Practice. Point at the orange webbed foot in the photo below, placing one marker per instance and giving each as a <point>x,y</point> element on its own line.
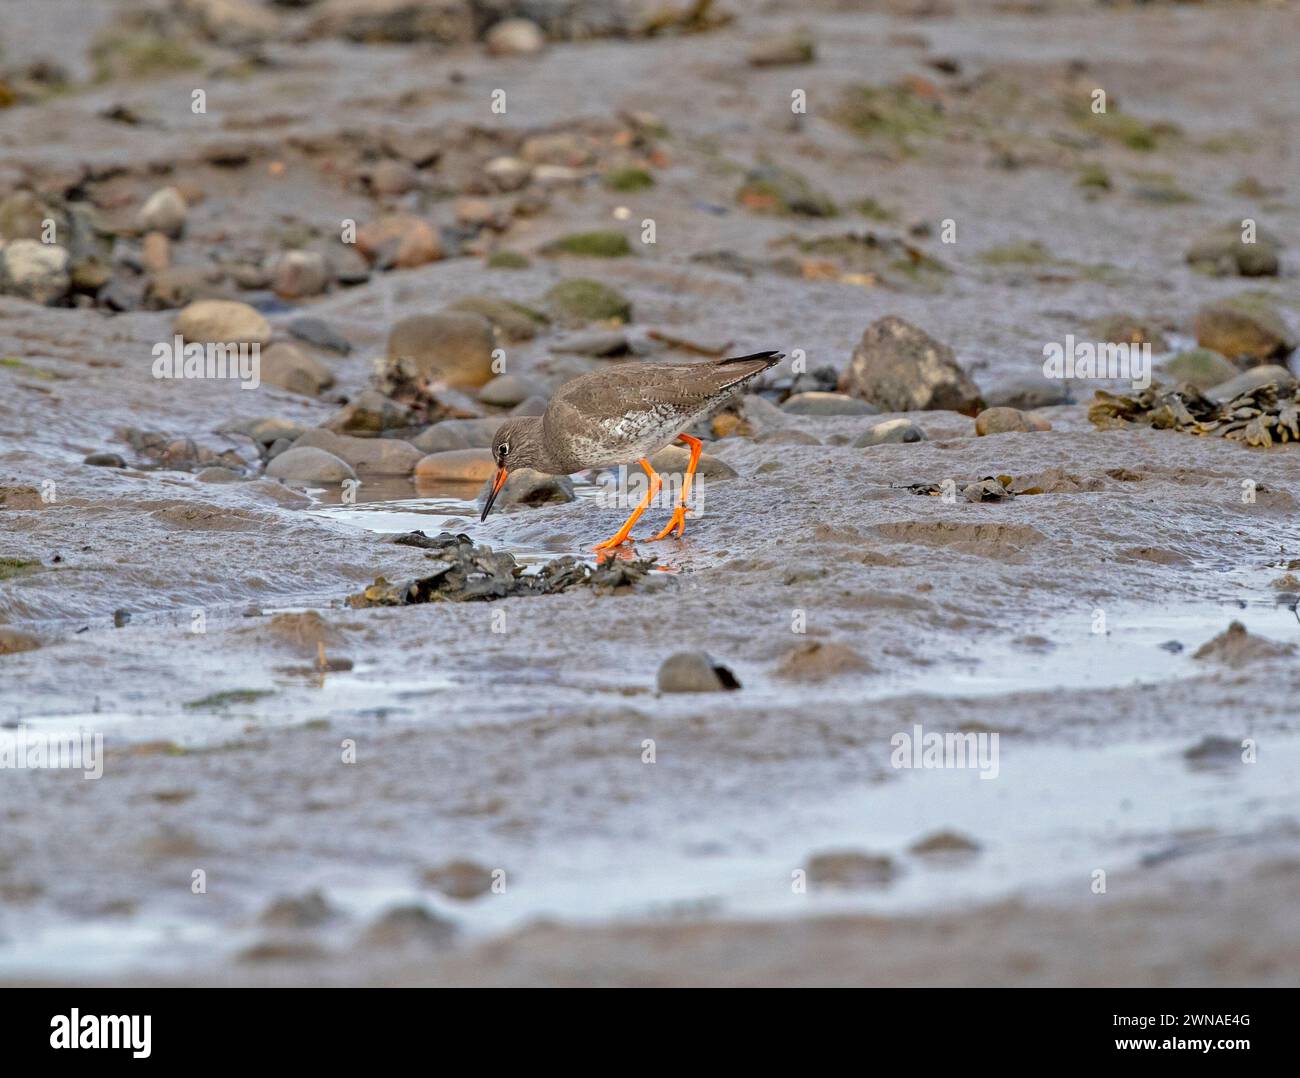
<point>677,521</point>
<point>613,542</point>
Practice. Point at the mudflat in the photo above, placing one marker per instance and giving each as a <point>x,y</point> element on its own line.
<point>296,790</point>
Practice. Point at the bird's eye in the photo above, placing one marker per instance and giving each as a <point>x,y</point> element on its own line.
<point>505,448</point>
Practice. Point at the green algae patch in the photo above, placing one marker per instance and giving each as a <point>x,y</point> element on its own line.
<point>602,243</point>
<point>581,299</point>
<point>892,114</point>
<point>218,701</point>
<point>628,179</point>
<point>511,260</point>
<point>14,567</point>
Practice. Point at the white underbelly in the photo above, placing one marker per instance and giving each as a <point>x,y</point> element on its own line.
<point>632,436</point>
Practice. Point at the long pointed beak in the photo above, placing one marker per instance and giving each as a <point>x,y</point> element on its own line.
<point>497,484</point>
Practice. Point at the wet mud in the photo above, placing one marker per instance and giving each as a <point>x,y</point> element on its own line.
<point>402,790</point>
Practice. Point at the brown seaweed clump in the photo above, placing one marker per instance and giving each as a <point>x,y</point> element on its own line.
<point>1259,417</point>
<point>464,571</point>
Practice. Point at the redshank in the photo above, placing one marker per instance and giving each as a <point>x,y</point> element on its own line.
<point>624,413</point>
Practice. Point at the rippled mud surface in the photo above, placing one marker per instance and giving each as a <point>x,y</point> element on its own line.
<point>506,776</point>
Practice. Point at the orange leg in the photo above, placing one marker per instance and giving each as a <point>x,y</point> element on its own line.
<point>625,532</point>
<point>678,519</point>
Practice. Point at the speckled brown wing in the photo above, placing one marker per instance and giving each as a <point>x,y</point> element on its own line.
<point>616,415</point>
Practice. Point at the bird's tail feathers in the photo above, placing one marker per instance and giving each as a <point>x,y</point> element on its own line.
<point>772,357</point>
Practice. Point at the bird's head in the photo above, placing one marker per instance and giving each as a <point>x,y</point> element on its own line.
<point>518,444</point>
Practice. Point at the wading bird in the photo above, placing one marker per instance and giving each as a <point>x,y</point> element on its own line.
<point>620,414</point>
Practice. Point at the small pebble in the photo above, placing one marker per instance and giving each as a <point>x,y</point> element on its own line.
<point>694,671</point>
<point>890,432</point>
<point>317,332</point>
<point>816,403</point>
<point>105,460</point>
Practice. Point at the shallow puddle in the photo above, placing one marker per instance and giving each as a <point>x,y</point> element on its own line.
<point>1135,645</point>
<point>451,507</point>
<point>1053,817</point>
<point>295,695</point>
<point>99,947</point>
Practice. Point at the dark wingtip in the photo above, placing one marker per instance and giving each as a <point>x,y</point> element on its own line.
<point>772,357</point>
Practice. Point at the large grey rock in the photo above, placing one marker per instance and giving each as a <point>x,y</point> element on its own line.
<point>308,464</point>
<point>289,367</point>
<point>456,466</point>
<point>815,403</point>
<point>508,390</point>
<point>1202,367</point>
<point>221,321</point>
<point>440,438</point>
<point>265,430</point>
<point>513,321</point>
<point>1028,393</point>
<point>321,334</point>
<point>594,343</point>
<point>900,368</point>
<point>348,264</point>
<point>1244,327</point>
<point>478,434</point>
<point>527,487</point>
<point>35,271</point>
<point>368,456</point>
<point>694,671</point>
<point>1252,379</point>
<point>1223,252</point>
<point>1003,421</point>
<point>295,274</point>
<point>454,347</point>
<point>164,211</point>
<point>789,436</point>
<point>535,406</point>
<point>761,412</point>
